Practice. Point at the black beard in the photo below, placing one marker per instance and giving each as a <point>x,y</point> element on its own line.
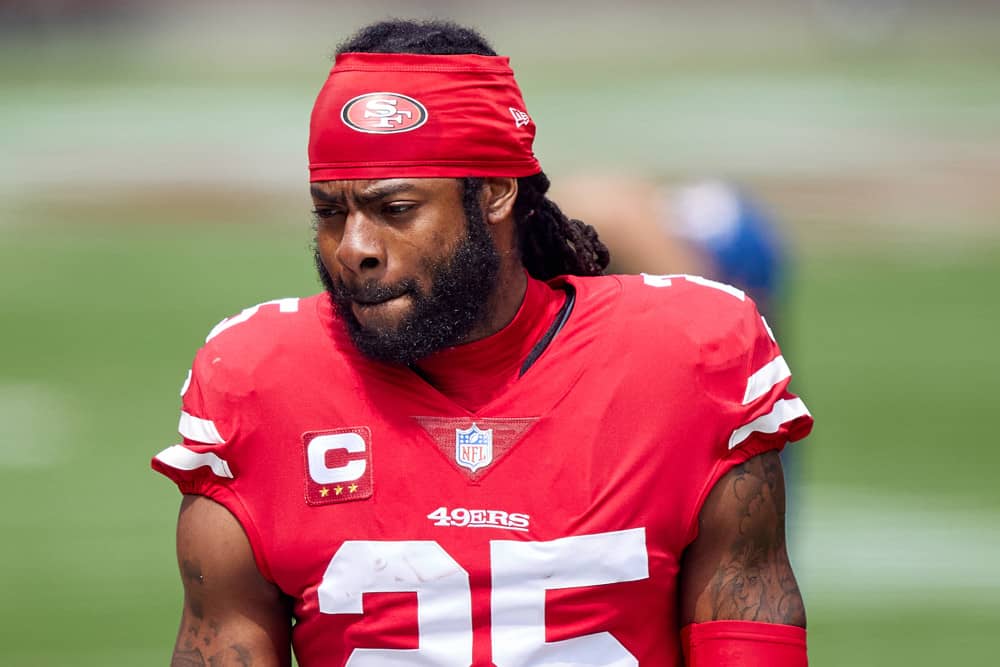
<point>456,302</point>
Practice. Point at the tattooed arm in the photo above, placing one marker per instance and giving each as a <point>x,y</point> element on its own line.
<point>737,568</point>
<point>232,616</point>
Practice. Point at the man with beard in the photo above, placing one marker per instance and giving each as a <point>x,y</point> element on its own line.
<point>472,448</point>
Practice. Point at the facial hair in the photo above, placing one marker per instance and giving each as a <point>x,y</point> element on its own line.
<point>443,312</point>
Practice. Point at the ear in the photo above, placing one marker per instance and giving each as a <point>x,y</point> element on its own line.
<point>498,198</point>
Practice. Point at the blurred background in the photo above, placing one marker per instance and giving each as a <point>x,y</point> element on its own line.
<point>153,181</point>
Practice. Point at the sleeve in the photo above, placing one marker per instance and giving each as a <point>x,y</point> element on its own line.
<point>759,409</point>
<point>746,379</point>
<point>212,425</point>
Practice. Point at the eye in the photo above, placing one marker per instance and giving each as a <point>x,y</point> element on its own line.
<point>398,208</point>
<point>325,213</point>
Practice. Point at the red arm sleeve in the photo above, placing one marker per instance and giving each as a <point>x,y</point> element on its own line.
<point>743,644</point>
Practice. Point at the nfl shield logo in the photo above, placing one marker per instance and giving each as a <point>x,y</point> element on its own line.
<point>473,447</point>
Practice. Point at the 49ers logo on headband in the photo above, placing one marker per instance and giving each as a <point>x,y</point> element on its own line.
<point>383,113</point>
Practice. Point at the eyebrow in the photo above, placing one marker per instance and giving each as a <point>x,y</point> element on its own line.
<point>365,197</point>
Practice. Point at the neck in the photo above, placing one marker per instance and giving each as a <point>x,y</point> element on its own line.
<point>504,302</point>
<point>474,373</point>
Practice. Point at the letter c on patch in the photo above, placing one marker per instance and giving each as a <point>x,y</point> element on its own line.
<point>319,446</point>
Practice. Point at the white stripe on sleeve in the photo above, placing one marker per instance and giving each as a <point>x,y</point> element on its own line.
<point>187,383</point>
<point>765,379</point>
<point>182,458</point>
<point>199,430</point>
<point>783,412</point>
<point>768,328</point>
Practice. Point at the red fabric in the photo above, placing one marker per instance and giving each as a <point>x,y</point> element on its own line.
<point>744,644</point>
<point>396,115</point>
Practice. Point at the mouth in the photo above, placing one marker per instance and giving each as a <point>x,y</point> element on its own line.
<point>372,303</point>
<point>377,297</point>
<point>380,307</point>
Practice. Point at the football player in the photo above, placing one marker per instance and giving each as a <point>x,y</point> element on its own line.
<point>472,448</point>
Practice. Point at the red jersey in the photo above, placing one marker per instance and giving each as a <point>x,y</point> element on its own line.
<point>545,528</point>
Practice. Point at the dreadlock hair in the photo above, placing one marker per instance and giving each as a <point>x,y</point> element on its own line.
<point>549,242</point>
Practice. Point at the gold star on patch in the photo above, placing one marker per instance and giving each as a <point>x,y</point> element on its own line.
<point>338,490</point>
<point>352,488</point>
<point>324,492</point>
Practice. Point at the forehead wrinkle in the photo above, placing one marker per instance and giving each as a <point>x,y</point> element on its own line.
<point>319,193</point>
<point>376,191</point>
<point>367,194</point>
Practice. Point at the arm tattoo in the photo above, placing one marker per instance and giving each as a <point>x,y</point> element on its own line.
<point>236,655</point>
<point>199,634</point>
<point>755,582</point>
<point>184,658</point>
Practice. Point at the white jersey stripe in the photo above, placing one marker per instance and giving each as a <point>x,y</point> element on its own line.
<point>765,379</point>
<point>768,328</point>
<point>199,430</point>
<point>783,412</point>
<point>182,458</point>
<point>186,385</point>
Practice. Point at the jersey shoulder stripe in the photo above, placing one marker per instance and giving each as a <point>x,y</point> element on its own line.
<point>180,457</point>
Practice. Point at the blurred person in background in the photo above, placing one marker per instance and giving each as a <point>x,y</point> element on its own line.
<point>473,447</point>
<point>710,228</point>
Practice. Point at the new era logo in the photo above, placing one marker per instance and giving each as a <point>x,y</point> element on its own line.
<point>520,118</point>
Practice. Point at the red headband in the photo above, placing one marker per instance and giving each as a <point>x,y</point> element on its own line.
<point>395,115</point>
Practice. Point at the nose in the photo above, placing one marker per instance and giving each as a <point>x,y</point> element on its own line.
<point>361,250</point>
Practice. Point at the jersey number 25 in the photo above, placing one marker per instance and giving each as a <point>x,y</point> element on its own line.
<point>521,572</point>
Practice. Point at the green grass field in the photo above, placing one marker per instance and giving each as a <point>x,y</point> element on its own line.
<point>147,193</point>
